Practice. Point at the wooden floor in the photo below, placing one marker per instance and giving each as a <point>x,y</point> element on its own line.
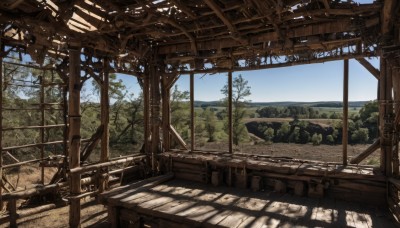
<point>195,204</point>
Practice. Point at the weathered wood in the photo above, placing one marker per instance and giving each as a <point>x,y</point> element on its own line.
<point>192,114</point>
<point>166,112</point>
<point>1,121</point>
<point>146,113</point>
<point>375,72</point>
<point>230,125</point>
<point>154,76</point>
<point>42,120</point>
<point>82,169</point>
<point>177,137</point>
<point>372,148</point>
<point>74,116</point>
<point>12,207</point>
<point>345,110</point>
<point>396,98</point>
<point>105,119</point>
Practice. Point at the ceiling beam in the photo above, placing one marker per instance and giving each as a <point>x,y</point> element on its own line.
<point>375,72</point>
<point>234,33</point>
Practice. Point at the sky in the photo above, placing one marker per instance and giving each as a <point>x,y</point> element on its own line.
<point>311,82</point>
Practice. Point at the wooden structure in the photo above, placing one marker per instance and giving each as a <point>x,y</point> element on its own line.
<point>159,40</point>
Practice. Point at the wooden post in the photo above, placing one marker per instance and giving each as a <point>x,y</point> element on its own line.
<point>74,134</point>
<point>42,118</point>
<point>192,114</point>
<point>155,110</point>
<point>166,113</point>
<point>1,122</point>
<point>105,119</point>
<point>230,126</point>
<point>146,112</point>
<point>385,116</point>
<point>345,110</point>
<point>396,97</point>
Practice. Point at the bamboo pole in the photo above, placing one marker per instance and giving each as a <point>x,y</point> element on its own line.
<point>105,118</point>
<point>74,134</point>
<point>192,114</point>
<point>230,126</point>
<point>345,110</point>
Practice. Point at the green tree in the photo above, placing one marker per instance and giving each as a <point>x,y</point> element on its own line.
<point>269,134</point>
<point>330,140</point>
<point>283,132</point>
<point>180,112</point>
<point>240,90</point>
<point>360,136</point>
<point>316,139</point>
<point>210,124</point>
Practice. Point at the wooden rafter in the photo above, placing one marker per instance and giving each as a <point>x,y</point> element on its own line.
<point>375,72</point>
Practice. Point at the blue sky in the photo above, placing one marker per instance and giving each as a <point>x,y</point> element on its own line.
<point>313,82</point>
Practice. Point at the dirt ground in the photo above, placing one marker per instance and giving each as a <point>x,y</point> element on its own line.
<point>325,153</point>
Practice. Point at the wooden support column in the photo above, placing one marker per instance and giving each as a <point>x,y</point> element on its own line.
<point>146,113</point>
<point>192,114</point>
<point>74,117</point>
<point>345,109</point>
<point>42,120</point>
<point>396,97</point>
<point>166,112</point>
<point>386,116</point>
<point>230,125</point>
<point>105,119</point>
<point>155,110</point>
<point>1,122</point>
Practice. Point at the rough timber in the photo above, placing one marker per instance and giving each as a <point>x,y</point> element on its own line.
<point>159,40</point>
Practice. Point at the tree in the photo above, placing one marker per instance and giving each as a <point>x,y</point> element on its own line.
<point>180,112</point>
<point>240,90</point>
<point>360,136</point>
<point>269,134</point>
<point>283,131</point>
<point>210,124</point>
<point>316,139</point>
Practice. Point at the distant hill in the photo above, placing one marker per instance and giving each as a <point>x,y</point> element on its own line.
<point>333,104</point>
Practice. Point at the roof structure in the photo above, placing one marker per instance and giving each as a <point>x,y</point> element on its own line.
<point>191,35</point>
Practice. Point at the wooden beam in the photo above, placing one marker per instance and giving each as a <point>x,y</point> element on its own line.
<point>387,15</point>
<point>375,72</point>
<point>177,137</point>
<point>396,97</point>
<point>372,148</point>
<point>74,117</point>
<point>234,33</point>
<point>146,112</point>
<point>42,120</point>
<point>230,125</point>
<point>1,120</point>
<point>345,109</point>
<point>192,114</point>
<point>166,112</point>
<point>155,109</point>
<point>105,119</point>
<point>184,8</point>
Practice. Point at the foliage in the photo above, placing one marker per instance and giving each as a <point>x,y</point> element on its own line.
<point>316,139</point>
<point>269,134</point>
<point>360,135</point>
<point>240,90</point>
<point>210,124</point>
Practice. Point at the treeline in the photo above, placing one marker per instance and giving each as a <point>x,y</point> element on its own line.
<point>301,112</point>
<point>363,128</point>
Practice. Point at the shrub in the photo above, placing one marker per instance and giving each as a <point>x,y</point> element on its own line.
<point>316,139</point>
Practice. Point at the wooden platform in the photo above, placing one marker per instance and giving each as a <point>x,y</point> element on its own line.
<point>180,203</point>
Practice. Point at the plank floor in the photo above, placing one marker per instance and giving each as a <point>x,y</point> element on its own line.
<point>199,204</point>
